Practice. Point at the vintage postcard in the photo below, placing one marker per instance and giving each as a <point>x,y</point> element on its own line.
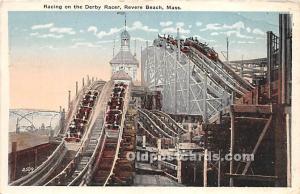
<point>130,96</point>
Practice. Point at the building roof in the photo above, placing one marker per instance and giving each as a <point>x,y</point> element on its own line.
<point>124,57</point>
<point>120,75</point>
<point>125,35</point>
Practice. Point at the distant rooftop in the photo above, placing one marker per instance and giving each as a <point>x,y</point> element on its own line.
<point>124,57</point>
<point>121,75</point>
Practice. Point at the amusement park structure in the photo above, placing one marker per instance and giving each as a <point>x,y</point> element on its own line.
<point>189,102</point>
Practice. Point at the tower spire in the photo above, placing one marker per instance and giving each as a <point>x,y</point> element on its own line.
<point>125,20</point>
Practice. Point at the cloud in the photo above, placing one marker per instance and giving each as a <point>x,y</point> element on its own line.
<point>234,29</point>
<point>62,30</point>
<point>166,23</point>
<point>112,31</point>
<point>42,26</point>
<point>214,26</point>
<point>237,34</point>
<point>50,36</point>
<point>85,44</point>
<point>258,31</point>
<point>198,23</point>
<point>204,39</point>
<point>141,39</point>
<point>54,32</point>
<point>190,26</point>
<point>34,34</point>
<point>248,29</point>
<point>173,30</point>
<point>245,42</point>
<point>77,39</point>
<point>179,24</point>
<point>106,41</point>
<point>93,29</point>
<point>238,26</point>
<point>102,34</point>
<point>216,46</point>
<point>137,25</point>
<point>214,33</point>
<point>49,47</point>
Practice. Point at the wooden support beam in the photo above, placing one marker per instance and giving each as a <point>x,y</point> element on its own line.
<point>232,140</point>
<point>252,177</point>
<point>242,108</point>
<point>247,118</point>
<point>261,136</point>
<point>205,169</point>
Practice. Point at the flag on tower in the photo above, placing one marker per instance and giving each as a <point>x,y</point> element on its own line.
<point>121,12</point>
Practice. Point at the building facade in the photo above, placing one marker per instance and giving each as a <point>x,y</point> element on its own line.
<point>125,60</point>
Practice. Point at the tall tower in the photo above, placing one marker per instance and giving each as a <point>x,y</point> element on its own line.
<point>125,40</point>
<point>124,60</point>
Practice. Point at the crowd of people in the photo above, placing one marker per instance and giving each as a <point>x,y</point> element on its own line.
<point>185,45</point>
<point>77,126</point>
<point>115,106</point>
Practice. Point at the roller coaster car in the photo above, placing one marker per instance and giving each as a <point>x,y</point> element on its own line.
<point>201,49</point>
<point>115,99</point>
<point>114,112</point>
<point>117,103</point>
<point>185,49</point>
<point>110,119</point>
<point>73,138</point>
<point>112,127</point>
<point>80,115</point>
<point>116,108</point>
<point>120,84</point>
<point>187,43</point>
<point>117,89</point>
<point>89,99</point>
<point>212,55</point>
<point>85,111</point>
<point>174,42</point>
<point>115,95</point>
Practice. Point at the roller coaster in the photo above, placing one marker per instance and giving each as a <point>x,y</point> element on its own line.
<point>103,120</point>
<point>95,123</point>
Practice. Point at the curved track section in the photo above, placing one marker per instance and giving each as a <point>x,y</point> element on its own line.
<point>147,119</point>
<point>164,126</point>
<point>171,123</point>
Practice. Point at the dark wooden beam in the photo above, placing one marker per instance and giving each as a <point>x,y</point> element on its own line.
<point>252,177</point>
<point>260,138</point>
<point>247,118</point>
<point>242,108</point>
